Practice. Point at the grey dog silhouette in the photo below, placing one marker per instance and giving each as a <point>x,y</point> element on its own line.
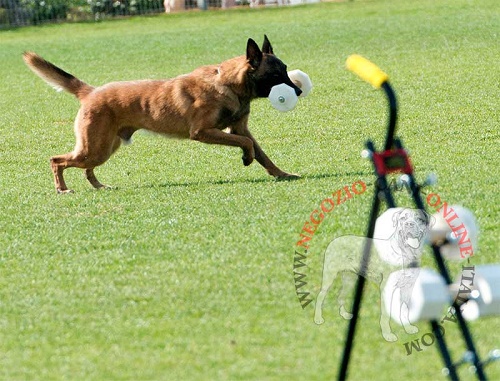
<point>402,249</point>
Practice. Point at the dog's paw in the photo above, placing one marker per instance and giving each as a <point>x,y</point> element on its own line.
<point>411,329</point>
<point>65,191</point>
<point>389,336</point>
<point>247,160</point>
<point>287,176</point>
<point>319,320</point>
<point>344,313</point>
<point>106,187</point>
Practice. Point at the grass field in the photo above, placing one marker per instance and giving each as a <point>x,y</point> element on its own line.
<point>185,270</point>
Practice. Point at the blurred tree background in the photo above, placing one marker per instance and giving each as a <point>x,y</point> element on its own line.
<point>34,12</point>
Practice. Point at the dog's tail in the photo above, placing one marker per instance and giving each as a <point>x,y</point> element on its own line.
<point>56,77</point>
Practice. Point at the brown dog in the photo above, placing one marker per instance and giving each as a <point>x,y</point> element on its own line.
<point>198,106</point>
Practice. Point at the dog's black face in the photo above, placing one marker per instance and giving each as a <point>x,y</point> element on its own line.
<point>268,70</point>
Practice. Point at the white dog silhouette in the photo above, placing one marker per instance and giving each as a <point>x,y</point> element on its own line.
<point>402,248</point>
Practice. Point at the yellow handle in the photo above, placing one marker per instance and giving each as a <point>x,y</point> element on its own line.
<point>367,70</point>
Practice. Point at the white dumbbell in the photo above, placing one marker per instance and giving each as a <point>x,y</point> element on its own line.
<point>464,237</point>
<point>302,81</point>
<point>283,97</point>
<point>482,288</point>
<point>426,292</point>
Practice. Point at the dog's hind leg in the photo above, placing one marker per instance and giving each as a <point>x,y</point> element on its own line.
<point>59,164</point>
<point>347,287</point>
<point>318,310</point>
<point>89,172</point>
<point>85,159</point>
<point>329,275</point>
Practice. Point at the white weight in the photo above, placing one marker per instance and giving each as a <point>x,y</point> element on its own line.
<point>302,81</point>
<point>429,295</point>
<point>450,242</point>
<point>283,97</point>
<point>483,282</point>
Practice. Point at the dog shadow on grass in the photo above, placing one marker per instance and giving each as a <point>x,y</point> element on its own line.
<point>315,176</point>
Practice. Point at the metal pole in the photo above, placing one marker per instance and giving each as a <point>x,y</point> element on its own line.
<point>359,289</point>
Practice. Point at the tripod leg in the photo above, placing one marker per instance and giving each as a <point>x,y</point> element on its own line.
<point>359,288</point>
<point>444,351</point>
<point>352,328</point>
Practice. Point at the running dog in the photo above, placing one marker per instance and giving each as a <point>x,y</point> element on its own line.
<point>402,249</point>
<point>198,106</point>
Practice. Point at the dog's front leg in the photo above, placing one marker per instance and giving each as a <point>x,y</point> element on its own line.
<point>215,136</point>
<point>262,158</point>
<point>385,318</point>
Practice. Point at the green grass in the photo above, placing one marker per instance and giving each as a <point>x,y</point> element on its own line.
<point>184,272</point>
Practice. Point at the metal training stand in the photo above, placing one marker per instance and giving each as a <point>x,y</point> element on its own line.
<point>392,159</point>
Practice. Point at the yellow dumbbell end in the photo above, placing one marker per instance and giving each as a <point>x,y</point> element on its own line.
<point>366,70</point>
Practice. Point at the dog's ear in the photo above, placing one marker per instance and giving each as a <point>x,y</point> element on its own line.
<point>395,217</point>
<point>431,220</point>
<point>254,55</point>
<point>266,46</point>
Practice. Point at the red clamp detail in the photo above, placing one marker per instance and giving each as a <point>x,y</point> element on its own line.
<point>395,160</point>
